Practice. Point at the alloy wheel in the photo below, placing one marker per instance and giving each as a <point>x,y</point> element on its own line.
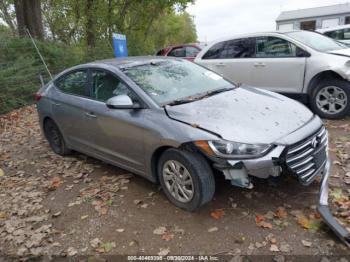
<point>178,181</point>
<point>331,99</point>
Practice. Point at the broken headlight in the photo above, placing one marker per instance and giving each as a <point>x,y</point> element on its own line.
<point>228,149</point>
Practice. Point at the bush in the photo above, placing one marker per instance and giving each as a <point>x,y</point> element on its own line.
<point>20,67</point>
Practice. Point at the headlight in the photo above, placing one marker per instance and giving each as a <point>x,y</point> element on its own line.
<point>228,149</point>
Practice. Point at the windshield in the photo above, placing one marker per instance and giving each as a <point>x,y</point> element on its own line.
<point>170,80</point>
<point>316,41</point>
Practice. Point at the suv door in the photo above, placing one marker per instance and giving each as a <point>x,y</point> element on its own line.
<point>116,134</point>
<point>68,107</point>
<point>279,65</point>
<point>232,59</point>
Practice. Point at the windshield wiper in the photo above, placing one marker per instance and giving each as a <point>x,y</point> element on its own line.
<point>181,101</point>
<point>206,94</point>
<point>217,91</point>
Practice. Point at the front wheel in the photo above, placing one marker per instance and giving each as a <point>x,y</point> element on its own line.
<point>331,99</point>
<point>186,178</point>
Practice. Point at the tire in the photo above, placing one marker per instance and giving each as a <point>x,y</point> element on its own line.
<point>201,179</point>
<point>55,138</point>
<point>331,94</point>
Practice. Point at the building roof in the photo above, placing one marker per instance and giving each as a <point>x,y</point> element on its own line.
<point>314,12</point>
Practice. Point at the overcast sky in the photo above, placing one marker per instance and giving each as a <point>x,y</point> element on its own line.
<point>220,18</point>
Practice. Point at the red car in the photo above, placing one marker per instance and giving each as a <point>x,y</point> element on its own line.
<point>186,51</point>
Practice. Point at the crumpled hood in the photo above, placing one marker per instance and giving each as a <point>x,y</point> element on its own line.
<point>343,52</point>
<point>248,115</point>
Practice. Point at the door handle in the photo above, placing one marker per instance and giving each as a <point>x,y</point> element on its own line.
<point>220,64</point>
<point>56,104</point>
<point>260,64</point>
<point>90,115</point>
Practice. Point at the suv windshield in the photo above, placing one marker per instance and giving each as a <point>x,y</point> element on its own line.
<point>316,41</point>
<point>168,81</point>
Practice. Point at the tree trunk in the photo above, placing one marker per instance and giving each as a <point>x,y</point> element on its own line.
<point>90,33</point>
<point>28,15</point>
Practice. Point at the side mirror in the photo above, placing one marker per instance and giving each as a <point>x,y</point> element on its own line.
<point>121,102</point>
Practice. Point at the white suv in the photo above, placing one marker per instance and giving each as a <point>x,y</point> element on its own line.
<point>300,64</point>
<point>340,33</point>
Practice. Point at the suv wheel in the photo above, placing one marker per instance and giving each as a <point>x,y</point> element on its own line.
<point>331,99</point>
<point>55,138</point>
<point>186,178</point>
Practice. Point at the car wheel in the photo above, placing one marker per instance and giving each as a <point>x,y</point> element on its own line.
<point>331,99</point>
<point>55,138</point>
<point>186,178</point>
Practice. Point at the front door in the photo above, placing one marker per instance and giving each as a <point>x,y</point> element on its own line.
<point>276,66</point>
<point>116,134</point>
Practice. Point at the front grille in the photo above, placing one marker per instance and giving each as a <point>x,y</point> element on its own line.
<point>305,158</point>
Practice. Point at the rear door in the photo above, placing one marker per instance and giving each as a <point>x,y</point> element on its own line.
<point>68,107</point>
<point>232,59</point>
<point>115,134</point>
<point>277,65</point>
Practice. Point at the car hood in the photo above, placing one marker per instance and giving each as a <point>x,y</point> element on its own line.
<point>247,115</point>
<point>342,52</point>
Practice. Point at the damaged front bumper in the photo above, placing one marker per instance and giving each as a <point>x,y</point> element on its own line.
<point>324,211</point>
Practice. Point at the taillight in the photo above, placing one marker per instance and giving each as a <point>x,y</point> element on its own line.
<point>37,97</point>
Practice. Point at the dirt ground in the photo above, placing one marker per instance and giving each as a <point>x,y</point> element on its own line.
<point>77,205</point>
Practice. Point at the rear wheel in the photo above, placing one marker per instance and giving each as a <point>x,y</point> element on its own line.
<point>186,178</point>
<point>331,99</point>
<point>55,138</point>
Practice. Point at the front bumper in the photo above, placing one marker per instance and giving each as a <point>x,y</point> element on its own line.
<point>324,211</point>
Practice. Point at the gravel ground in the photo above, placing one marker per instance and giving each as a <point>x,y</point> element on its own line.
<point>78,205</point>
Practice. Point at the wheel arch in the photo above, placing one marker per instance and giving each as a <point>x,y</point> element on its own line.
<point>328,74</point>
<point>154,161</point>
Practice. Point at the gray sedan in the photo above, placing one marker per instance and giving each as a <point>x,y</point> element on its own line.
<point>174,122</point>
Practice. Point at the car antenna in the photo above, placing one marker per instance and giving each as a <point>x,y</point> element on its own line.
<point>41,57</point>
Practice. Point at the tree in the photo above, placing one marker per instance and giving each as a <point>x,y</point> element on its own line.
<point>7,15</point>
<point>28,15</point>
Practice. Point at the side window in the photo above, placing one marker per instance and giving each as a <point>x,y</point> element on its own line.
<point>106,85</point>
<point>178,52</point>
<point>215,51</point>
<point>73,83</point>
<point>191,51</point>
<point>269,46</point>
<point>239,48</point>
<point>341,34</point>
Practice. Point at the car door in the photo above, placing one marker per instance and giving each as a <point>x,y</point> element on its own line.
<point>68,106</point>
<point>279,65</point>
<point>232,59</point>
<point>116,134</point>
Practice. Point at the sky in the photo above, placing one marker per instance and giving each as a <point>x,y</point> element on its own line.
<point>220,18</point>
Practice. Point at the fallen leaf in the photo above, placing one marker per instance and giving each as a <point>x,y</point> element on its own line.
<point>274,248</point>
<point>95,242</point>
<point>159,231</point>
<point>163,251</point>
<point>84,217</point>
<point>212,229</point>
<point>120,230</point>
<point>281,213</point>
<point>71,251</point>
<point>56,214</point>
<point>2,173</point>
<point>167,236</point>
<point>55,183</point>
<point>137,201</point>
<point>105,247</point>
<point>306,243</point>
<point>218,213</point>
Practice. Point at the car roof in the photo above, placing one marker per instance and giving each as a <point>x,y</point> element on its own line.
<point>254,35</point>
<point>129,61</point>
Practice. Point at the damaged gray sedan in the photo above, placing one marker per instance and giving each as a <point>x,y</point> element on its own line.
<point>176,123</point>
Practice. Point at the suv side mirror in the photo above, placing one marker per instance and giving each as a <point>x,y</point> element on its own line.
<point>302,53</point>
<point>121,102</point>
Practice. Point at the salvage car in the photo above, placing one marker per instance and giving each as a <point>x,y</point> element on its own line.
<point>300,64</point>
<point>339,33</point>
<point>175,122</point>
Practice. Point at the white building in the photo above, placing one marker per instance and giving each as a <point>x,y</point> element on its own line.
<point>314,18</point>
